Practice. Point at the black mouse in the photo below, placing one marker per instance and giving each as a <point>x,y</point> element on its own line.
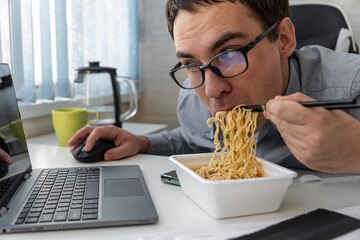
<point>4,169</point>
<point>96,154</point>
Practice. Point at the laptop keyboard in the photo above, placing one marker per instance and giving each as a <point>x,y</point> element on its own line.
<point>63,195</point>
<point>6,184</point>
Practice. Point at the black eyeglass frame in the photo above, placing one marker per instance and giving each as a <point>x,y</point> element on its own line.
<point>214,69</point>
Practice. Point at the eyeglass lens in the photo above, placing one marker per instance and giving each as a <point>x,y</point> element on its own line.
<point>228,64</point>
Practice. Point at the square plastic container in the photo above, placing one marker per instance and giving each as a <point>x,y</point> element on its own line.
<point>233,198</point>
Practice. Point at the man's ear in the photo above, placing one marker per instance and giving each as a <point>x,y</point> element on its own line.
<point>287,39</point>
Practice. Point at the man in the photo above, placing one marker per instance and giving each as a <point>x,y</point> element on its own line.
<point>242,52</point>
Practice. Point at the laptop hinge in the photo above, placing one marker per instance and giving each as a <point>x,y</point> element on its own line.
<point>3,211</point>
<point>27,176</point>
<point>18,182</point>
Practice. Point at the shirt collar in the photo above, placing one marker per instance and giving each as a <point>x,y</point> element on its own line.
<point>293,87</point>
<point>294,78</point>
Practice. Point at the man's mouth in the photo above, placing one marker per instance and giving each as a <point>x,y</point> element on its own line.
<point>228,104</point>
<point>228,108</point>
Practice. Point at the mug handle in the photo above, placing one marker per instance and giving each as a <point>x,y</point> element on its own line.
<point>3,136</point>
<point>96,119</point>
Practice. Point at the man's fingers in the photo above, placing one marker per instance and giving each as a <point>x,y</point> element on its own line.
<point>109,133</point>
<point>289,111</point>
<point>73,148</point>
<point>91,139</point>
<point>80,136</point>
<point>5,157</point>
<point>126,144</point>
<point>118,152</point>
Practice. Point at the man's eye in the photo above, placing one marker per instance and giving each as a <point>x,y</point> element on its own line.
<point>192,69</point>
<point>230,54</point>
<point>191,66</point>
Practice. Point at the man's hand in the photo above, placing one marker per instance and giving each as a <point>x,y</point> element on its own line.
<point>126,143</point>
<point>5,157</point>
<point>323,140</point>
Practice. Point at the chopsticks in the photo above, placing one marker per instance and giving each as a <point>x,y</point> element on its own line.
<point>328,104</point>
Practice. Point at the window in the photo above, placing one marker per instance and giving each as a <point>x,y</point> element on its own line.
<point>44,41</point>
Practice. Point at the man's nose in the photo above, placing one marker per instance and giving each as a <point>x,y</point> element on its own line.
<point>215,86</point>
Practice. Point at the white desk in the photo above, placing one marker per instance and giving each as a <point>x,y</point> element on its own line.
<point>135,128</point>
<point>177,212</point>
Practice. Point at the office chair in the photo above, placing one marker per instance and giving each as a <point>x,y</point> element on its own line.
<point>322,24</point>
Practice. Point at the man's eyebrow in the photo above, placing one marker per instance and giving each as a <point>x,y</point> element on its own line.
<point>184,55</point>
<point>223,39</point>
<point>226,37</point>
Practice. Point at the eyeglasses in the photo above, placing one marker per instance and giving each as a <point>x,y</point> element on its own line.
<point>227,64</point>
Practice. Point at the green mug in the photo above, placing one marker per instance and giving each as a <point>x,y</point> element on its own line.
<point>16,129</point>
<point>67,121</point>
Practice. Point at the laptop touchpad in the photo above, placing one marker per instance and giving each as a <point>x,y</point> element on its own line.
<point>123,187</point>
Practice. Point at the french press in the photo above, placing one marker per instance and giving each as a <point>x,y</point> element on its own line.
<point>99,88</point>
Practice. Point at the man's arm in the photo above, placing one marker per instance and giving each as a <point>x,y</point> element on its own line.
<point>173,142</point>
<point>323,140</point>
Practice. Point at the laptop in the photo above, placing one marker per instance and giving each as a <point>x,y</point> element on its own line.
<point>62,198</point>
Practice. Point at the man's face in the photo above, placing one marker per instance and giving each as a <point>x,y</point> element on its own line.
<point>200,36</point>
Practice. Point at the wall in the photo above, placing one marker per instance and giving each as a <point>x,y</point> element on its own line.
<point>159,98</point>
<point>157,56</point>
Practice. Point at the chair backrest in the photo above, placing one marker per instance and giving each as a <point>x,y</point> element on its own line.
<point>320,24</point>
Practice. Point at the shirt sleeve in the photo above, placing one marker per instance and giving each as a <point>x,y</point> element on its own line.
<point>193,135</point>
<point>167,143</point>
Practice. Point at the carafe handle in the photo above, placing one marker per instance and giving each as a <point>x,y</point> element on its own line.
<point>133,98</point>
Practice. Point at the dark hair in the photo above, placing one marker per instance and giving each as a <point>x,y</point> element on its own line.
<point>267,11</point>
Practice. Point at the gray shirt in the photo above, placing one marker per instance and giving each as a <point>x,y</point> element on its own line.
<point>315,71</point>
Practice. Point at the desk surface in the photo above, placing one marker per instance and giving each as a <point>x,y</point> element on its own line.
<point>177,212</point>
<point>135,128</point>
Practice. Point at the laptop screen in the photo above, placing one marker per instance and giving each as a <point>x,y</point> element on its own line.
<point>12,138</point>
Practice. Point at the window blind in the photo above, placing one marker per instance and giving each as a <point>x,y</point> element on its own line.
<point>44,41</point>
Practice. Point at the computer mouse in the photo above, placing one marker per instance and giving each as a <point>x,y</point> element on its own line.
<point>4,169</point>
<point>96,154</point>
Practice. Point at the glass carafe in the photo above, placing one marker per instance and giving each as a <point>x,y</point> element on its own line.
<point>99,88</point>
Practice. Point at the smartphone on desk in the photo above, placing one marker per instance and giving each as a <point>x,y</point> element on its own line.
<point>170,178</point>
